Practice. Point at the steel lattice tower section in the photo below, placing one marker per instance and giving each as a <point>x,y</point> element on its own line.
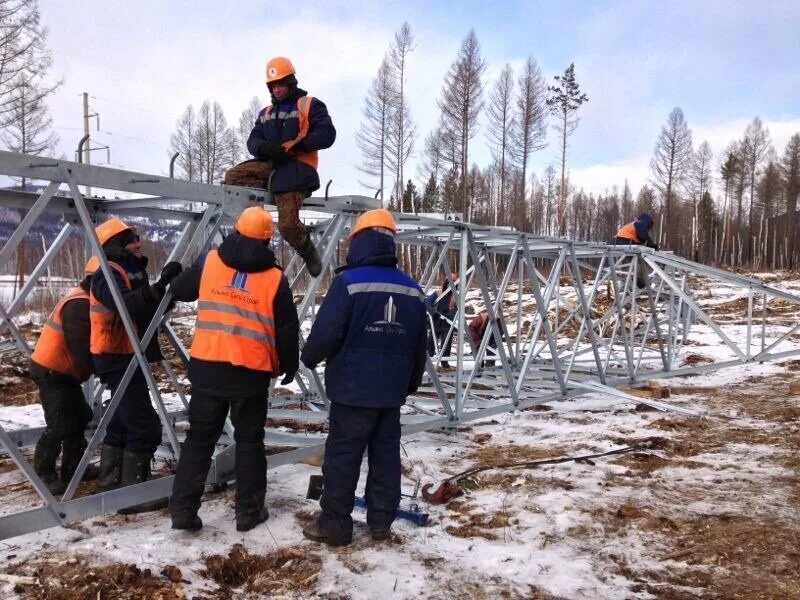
<point>568,314</point>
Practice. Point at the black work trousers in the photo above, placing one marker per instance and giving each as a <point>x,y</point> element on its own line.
<point>206,420</point>
<point>135,425</point>
<point>354,429</point>
<point>66,413</point>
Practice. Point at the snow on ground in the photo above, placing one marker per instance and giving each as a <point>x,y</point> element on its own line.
<point>710,509</point>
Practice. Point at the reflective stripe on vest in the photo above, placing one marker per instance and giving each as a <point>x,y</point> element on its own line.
<point>301,114</point>
<point>108,332</point>
<point>51,349</point>
<point>235,318</point>
<point>629,233</point>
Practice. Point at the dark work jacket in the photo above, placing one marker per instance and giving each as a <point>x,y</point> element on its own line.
<point>222,378</point>
<point>371,328</point>
<point>293,175</point>
<point>77,332</point>
<point>140,301</point>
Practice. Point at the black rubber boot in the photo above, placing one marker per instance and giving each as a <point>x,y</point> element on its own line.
<point>308,252</point>
<point>44,463</point>
<point>250,520</point>
<point>380,534</point>
<point>73,452</point>
<point>110,471</point>
<point>317,534</point>
<point>190,523</point>
<point>136,469</point>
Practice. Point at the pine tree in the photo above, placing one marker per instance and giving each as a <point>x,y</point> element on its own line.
<point>499,130</point>
<point>403,131</point>
<point>24,55</point>
<point>564,101</point>
<point>373,133</point>
<point>183,141</point>
<point>671,161</point>
<point>461,102</point>
<point>790,168</point>
<point>756,145</point>
<point>247,121</point>
<point>530,125</point>
<point>28,127</point>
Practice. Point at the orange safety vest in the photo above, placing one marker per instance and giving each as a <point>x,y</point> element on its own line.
<point>51,349</point>
<point>108,332</point>
<point>235,318</point>
<point>629,233</point>
<point>303,109</point>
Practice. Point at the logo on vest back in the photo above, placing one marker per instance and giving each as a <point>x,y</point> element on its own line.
<point>239,282</point>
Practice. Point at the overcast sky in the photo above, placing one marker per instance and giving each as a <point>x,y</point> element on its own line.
<point>144,62</point>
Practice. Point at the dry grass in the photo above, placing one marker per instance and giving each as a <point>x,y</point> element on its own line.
<point>75,578</point>
<point>286,570</point>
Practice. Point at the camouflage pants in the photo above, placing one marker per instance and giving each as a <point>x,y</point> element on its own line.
<point>255,173</point>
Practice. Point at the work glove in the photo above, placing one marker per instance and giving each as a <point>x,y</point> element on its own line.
<point>170,271</point>
<point>156,291</point>
<point>273,152</point>
<point>288,378</point>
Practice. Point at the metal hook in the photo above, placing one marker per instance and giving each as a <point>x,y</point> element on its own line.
<point>330,181</point>
<point>172,165</point>
<point>80,147</point>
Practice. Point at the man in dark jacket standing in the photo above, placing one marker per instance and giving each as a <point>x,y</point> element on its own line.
<point>134,432</point>
<point>246,333</point>
<point>60,362</point>
<point>371,330</point>
<point>285,141</point>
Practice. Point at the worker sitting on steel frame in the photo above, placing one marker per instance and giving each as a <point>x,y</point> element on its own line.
<point>285,141</point>
<point>60,362</point>
<point>134,431</point>
<point>246,332</point>
<point>637,233</point>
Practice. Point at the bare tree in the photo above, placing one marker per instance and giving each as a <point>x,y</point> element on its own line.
<point>755,146</point>
<point>564,101</point>
<point>461,102</point>
<point>23,52</point>
<point>184,142</point>
<point>700,182</point>
<point>530,126</point>
<point>373,133</point>
<point>28,127</point>
<point>247,121</point>
<point>213,142</point>
<point>790,169</point>
<point>499,129</point>
<point>403,129</point>
<point>671,161</point>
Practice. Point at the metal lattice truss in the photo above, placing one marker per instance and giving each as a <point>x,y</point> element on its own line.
<point>569,317</point>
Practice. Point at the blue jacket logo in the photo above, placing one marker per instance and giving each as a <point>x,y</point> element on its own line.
<point>239,281</point>
<point>389,314</point>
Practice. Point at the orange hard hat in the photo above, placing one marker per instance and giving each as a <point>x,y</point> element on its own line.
<point>278,68</point>
<point>106,231</point>
<point>92,265</point>
<point>379,217</point>
<point>255,222</point>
